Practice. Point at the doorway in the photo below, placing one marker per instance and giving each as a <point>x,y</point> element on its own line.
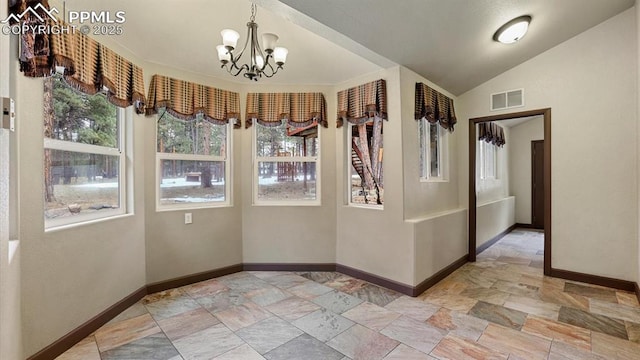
<point>545,179</point>
<point>537,184</point>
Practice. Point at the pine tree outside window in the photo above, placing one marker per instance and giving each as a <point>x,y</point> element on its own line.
<point>84,156</point>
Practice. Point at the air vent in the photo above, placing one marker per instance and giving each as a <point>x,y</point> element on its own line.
<point>507,99</point>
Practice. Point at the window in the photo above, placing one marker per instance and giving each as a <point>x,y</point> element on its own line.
<point>192,161</point>
<point>433,154</point>
<point>84,156</point>
<point>286,165</point>
<point>366,175</point>
<point>488,160</point>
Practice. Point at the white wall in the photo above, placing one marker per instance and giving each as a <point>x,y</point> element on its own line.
<point>520,165</point>
<point>589,82</point>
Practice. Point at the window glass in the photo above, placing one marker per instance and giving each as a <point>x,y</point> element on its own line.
<point>84,155</point>
<point>366,173</point>
<point>192,158</point>
<point>286,167</point>
<point>432,151</point>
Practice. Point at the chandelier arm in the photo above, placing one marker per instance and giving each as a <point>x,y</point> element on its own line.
<point>234,61</point>
<point>272,72</point>
<point>236,58</point>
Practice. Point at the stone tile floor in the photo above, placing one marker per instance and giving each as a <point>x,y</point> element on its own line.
<point>500,307</point>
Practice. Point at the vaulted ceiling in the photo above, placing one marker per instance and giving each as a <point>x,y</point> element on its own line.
<point>329,41</point>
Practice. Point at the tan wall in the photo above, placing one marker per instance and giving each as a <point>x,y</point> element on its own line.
<point>10,294</point>
<point>637,8</point>
<point>59,266</point>
<point>594,182</point>
<point>291,234</point>
<point>494,207</point>
<point>492,189</point>
<point>440,240</point>
<point>374,240</point>
<point>438,224</point>
<point>422,198</point>
<point>520,165</point>
<point>214,239</point>
<point>494,217</point>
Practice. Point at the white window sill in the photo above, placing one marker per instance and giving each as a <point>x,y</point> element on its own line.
<point>367,207</point>
<point>167,208</point>
<point>282,203</point>
<point>85,223</point>
<point>424,180</point>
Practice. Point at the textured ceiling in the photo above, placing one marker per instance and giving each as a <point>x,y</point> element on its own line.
<point>450,42</point>
<point>330,41</point>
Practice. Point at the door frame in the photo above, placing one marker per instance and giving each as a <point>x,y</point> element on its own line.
<point>533,171</point>
<point>546,113</point>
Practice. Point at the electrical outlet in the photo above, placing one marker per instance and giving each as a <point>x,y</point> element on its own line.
<point>188,219</point>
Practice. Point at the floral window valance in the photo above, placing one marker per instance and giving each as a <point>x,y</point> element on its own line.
<point>185,100</point>
<point>359,104</point>
<point>298,109</point>
<point>88,66</point>
<point>491,133</point>
<point>435,107</point>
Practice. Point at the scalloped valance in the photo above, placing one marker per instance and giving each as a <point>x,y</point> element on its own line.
<point>89,66</point>
<point>185,100</point>
<point>434,106</point>
<point>491,133</point>
<point>298,109</point>
<point>359,104</point>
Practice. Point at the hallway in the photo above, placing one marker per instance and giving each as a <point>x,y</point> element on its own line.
<point>500,307</point>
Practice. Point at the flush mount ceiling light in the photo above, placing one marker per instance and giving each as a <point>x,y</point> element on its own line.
<point>260,62</point>
<point>513,31</point>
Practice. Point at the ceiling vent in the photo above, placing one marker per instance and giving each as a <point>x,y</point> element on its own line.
<point>507,99</point>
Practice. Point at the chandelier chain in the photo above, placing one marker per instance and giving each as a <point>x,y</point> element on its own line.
<point>253,13</point>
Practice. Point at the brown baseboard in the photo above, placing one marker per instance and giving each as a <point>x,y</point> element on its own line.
<point>192,279</point>
<point>495,239</point>
<point>375,279</point>
<point>288,267</point>
<point>439,276</point>
<point>596,280</point>
<point>76,335</point>
<point>528,226</point>
<point>637,290</point>
<point>524,226</point>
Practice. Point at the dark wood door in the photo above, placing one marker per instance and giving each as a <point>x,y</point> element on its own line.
<point>537,184</point>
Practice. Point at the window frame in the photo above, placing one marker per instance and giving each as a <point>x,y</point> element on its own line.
<point>426,155</point>
<point>483,152</point>
<point>228,176</point>
<point>123,175</point>
<point>256,160</point>
<point>350,173</point>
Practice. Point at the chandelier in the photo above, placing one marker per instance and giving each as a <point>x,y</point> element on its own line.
<point>260,61</point>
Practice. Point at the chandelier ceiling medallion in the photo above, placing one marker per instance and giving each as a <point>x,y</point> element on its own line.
<point>260,61</point>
